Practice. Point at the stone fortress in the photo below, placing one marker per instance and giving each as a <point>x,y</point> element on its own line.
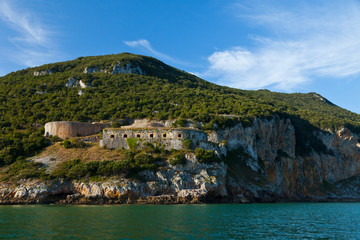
<point>140,133</point>
<point>159,133</point>
<point>168,138</point>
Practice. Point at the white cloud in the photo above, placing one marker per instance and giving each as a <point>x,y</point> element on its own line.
<point>145,44</point>
<point>300,46</point>
<point>32,42</point>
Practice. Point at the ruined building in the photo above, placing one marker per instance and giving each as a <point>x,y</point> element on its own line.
<point>137,135</point>
<point>68,129</point>
<point>168,138</point>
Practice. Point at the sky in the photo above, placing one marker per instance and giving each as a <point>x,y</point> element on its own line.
<point>284,46</point>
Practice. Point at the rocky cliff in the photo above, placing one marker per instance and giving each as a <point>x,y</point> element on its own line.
<point>190,183</point>
<point>262,164</point>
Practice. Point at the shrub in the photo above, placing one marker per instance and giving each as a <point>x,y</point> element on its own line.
<point>54,138</point>
<point>66,144</point>
<point>178,158</point>
<point>116,125</point>
<point>77,143</point>
<point>132,143</point>
<point>73,143</point>
<point>22,168</point>
<point>105,168</point>
<point>92,167</point>
<point>129,156</point>
<point>143,158</point>
<point>145,161</point>
<point>205,156</point>
<point>63,168</point>
<point>121,167</point>
<point>77,171</point>
<point>180,122</point>
<point>187,144</point>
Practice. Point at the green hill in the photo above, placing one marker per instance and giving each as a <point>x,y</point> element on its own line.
<point>34,96</point>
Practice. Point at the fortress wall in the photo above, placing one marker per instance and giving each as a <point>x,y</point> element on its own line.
<point>167,138</point>
<point>67,129</point>
<point>146,123</point>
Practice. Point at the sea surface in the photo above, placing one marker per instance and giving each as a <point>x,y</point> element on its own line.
<point>212,221</point>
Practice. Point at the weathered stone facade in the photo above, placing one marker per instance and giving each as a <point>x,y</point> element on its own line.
<point>68,129</point>
<point>164,137</point>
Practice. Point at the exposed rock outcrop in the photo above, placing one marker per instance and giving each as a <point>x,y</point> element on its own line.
<point>91,70</point>
<point>42,73</point>
<point>73,82</point>
<point>128,68</point>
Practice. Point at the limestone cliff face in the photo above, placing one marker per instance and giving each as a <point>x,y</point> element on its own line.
<point>270,145</point>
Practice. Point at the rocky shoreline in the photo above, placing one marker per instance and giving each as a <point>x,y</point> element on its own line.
<point>64,192</point>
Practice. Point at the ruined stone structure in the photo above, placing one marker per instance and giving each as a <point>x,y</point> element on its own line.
<point>68,129</point>
<point>169,138</point>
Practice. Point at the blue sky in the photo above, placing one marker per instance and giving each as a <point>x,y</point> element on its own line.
<point>286,46</point>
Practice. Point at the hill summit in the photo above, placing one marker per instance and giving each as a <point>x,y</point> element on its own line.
<point>117,63</point>
<point>127,85</point>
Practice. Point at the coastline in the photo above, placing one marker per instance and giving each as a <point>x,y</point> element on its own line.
<point>62,192</point>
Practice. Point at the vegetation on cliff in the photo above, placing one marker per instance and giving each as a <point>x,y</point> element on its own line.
<point>163,92</point>
<point>88,161</point>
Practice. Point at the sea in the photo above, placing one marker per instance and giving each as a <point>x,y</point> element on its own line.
<point>204,221</point>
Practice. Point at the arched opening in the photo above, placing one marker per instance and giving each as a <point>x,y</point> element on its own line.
<point>138,135</point>
<point>151,135</point>
<point>125,136</point>
<point>179,135</point>
<point>164,135</point>
<point>112,136</point>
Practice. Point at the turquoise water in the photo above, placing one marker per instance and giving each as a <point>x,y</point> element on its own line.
<point>218,221</point>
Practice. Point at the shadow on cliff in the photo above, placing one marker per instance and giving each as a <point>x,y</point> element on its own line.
<point>306,139</point>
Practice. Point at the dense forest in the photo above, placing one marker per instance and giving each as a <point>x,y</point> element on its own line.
<point>28,101</point>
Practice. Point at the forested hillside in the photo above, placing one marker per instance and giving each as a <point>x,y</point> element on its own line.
<point>31,97</point>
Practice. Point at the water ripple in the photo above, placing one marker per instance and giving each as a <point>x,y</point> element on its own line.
<point>218,221</point>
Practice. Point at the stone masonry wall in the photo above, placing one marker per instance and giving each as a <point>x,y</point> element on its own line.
<point>67,129</point>
<point>167,138</point>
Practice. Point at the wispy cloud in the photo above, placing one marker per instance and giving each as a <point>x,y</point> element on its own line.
<point>31,41</point>
<point>300,45</point>
<point>145,45</point>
